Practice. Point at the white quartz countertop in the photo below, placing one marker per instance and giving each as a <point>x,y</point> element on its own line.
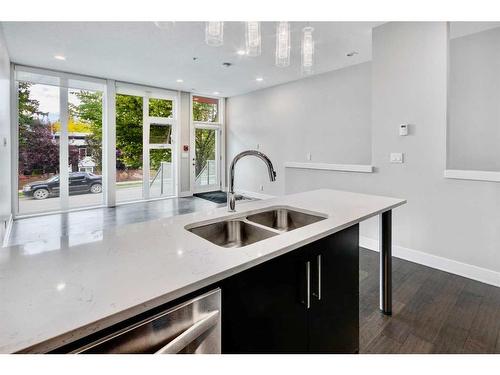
<point>54,293</point>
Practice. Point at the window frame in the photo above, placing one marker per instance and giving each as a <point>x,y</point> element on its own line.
<point>109,88</point>
<point>62,81</point>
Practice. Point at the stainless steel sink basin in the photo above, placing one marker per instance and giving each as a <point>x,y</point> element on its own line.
<point>284,219</point>
<point>232,233</point>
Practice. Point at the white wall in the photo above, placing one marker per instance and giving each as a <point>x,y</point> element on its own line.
<point>453,219</point>
<point>327,115</point>
<point>5,191</point>
<point>474,107</point>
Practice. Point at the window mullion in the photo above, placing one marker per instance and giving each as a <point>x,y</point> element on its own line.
<point>63,146</point>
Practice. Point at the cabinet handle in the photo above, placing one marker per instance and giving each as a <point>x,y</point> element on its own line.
<point>318,292</point>
<point>308,284</point>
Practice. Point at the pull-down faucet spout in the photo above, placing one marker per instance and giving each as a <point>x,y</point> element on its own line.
<point>231,199</point>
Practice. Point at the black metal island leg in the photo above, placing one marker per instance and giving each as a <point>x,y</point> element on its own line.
<point>385,247</point>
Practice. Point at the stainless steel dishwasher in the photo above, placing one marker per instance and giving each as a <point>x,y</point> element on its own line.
<point>191,327</point>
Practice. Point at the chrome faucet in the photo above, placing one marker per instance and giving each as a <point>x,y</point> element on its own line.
<point>231,197</point>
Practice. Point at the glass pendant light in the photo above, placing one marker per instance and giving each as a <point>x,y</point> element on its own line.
<point>214,33</point>
<point>307,50</point>
<point>283,44</point>
<point>253,39</point>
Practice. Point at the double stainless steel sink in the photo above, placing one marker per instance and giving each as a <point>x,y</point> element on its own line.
<point>250,228</point>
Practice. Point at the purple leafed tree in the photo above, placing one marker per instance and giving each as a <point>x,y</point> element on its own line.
<point>39,151</point>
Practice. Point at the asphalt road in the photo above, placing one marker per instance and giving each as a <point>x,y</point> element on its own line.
<point>123,194</point>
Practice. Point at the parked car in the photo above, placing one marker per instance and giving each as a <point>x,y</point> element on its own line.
<point>79,183</point>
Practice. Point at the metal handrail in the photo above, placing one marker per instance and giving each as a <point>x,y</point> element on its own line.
<point>158,172</point>
<point>205,167</point>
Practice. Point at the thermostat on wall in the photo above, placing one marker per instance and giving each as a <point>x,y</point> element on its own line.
<point>403,129</point>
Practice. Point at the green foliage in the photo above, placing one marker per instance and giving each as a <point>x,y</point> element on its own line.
<point>27,110</point>
<point>129,126</point>
<point>160,107</point>
<point>156,156</point>
<point>129,131</point>
<point>205,148</point>
<point>205,112</point>
<point>89,111</point>
<point>28,107</point>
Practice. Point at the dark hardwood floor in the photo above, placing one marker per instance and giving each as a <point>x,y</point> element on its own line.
<point>433,311</point>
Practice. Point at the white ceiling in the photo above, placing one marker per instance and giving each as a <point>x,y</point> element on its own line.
<point>143,53</point>
<point>462,28</point>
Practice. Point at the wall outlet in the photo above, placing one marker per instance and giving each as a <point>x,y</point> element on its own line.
<point>308,156</point>
<point>397,157</point>
<point>261,187</point>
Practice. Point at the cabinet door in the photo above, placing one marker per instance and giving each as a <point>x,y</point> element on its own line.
<point>333,318</point>
<point>263,308</point>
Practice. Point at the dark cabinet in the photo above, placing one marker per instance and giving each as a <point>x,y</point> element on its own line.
<point>263,310</point>
<point>333,319</point>
<point>305,301</point>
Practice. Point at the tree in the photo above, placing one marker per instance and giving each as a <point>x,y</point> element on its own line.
<point>129,126</point>
<point>205,148</point>
<point>28,107</point>
<point>86,117</point>
<point>38,148</point>
<point>204,110</point>
<point>40,152</point>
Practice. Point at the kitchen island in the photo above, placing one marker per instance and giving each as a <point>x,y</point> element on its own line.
<point>54,294</point>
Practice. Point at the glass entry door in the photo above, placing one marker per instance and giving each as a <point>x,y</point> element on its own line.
<point>206,159</point>
<point>206,135</point>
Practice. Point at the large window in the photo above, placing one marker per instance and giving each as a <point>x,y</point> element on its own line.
<point>65,147</point>
<point>59,136</point>
<point>145,158</point>
<point>206,133</point>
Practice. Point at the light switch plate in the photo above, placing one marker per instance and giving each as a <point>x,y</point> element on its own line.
<point>403,129</point>
<point>397,157</point>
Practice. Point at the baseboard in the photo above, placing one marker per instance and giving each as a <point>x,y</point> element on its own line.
<point>184,194</point>
<point>253,194</point>
<point>444,264</point>
<point>8,229</point>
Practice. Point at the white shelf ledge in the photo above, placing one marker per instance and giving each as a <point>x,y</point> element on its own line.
<point>359,168</point>
<point>472,175</point>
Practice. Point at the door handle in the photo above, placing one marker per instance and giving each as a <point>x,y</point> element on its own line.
<point>190,334</point>
<point>308,285</point>
<point>317,294</point>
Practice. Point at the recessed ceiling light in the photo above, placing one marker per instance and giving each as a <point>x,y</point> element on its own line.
<point>180,80</point>
<point>241,52</point>
<point>59,57</point>
<point>259,79</point>
<point>216,93</point>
